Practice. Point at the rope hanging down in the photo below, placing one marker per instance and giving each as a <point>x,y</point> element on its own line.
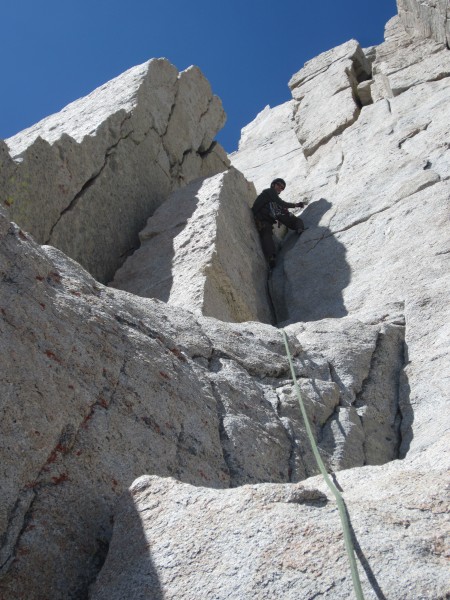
<point>339,500</point>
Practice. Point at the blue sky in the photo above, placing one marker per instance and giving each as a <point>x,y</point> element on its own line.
<point>55,51</point>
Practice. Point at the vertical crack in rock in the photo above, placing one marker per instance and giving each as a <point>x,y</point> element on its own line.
<point>17,523</point>
<point>296,464</point>
<point>378,402</point>
<point>223,436</point>
<point>405,416</point>
<point>271,299</point>
<point>175,167</point>
<point>21,513</point>
<point>339,167</point>
<point>202,116</point>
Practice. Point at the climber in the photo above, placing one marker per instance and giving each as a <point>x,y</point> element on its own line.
<point>267,209</point>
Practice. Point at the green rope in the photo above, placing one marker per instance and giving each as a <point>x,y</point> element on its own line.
<point>339,500</point>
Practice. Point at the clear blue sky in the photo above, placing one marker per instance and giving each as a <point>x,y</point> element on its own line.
<point>55,51</point>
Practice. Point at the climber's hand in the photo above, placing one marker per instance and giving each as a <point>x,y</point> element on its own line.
<point>300,204</point>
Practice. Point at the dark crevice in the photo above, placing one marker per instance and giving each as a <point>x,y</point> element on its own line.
<point>379,402</point>
<point>17,523</point>
<point>294,449</point>
<point>223,436</point>
<point>270,300</point>
<point>205,153</point>
<point>270,372</point>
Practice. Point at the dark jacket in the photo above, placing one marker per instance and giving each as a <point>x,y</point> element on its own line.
<point>262,209</point>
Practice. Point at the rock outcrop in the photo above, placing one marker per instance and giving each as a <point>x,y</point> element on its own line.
<point>125,419</point>
<point>426,18</point>
<point>122,385</point>
<point>200,250</point>
<point>86,179</point>
<point>326,94</point>
<point>378,226</point>
<point>267,541</point>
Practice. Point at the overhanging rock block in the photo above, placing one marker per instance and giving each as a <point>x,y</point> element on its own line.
<point>326,91</point>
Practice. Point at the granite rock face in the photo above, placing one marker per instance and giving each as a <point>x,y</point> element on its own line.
<point>201,251</point>
<point>378,218</point>
<point>403,62</point>
<point>279,541</point>
<point>115,385</point>
<point>326,94</point>
<point>102,387</point>
<point>426,18</point>
<point>86,179</point>
<point>259,157</point>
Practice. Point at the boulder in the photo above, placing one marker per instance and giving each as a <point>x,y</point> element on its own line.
<point>87,178</point>
<point>174,540</point>
<point>200,250</point>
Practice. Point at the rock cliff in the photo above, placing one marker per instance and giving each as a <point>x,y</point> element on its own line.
<point>86,179</point>
<point>152,445</point>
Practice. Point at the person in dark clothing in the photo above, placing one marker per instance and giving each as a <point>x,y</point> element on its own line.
<point>269,208</point>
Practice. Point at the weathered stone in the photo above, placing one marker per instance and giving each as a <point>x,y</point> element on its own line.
<point>403,61</point>
<point>115,385</point>
<point>368,376</point>
<point>86,179</point>
<point>101,386</point>
<point>260,157</point>
<point>200,250</point>
<point>364,92</point>
<point>325,90</point>
<point>173,540</point>
<point>426,19</point>
<point>378,229</point>
<point>78,414</point>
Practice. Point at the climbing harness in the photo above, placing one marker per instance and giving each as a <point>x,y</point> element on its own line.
<point>339,500</point>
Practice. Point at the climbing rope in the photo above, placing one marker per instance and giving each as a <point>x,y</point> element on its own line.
<point>339,500</point>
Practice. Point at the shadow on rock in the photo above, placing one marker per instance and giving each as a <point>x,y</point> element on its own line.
<point>149,271</point>
<point>406,409</point>
<point>312,272</point>
<point>128,569</point>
